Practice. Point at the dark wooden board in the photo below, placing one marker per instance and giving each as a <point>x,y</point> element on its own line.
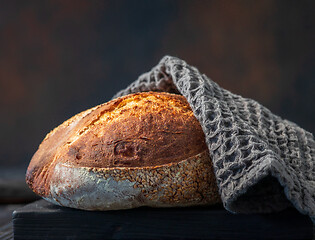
<point>42,220</point>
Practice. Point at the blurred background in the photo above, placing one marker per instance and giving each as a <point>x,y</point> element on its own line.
<point>58,58</point>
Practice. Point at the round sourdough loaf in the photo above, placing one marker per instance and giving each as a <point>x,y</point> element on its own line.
<point>144,149</point>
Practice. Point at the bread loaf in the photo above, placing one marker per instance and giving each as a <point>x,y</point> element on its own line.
<point>144,149</point>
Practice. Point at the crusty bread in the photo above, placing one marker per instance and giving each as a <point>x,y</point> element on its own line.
<point>144,149</point>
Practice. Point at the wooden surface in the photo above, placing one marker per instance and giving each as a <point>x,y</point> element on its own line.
<point>6,231</point>
<point>6,228</point>
<point>42,220</point>
<point>14,193</point>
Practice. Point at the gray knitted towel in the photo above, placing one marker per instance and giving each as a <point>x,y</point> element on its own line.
<point>262,162</point>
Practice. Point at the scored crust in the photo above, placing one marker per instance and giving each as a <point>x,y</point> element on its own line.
<point>135,134</point>
<point>187,183</point>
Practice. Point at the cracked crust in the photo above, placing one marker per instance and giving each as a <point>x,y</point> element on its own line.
<point>139,133</point>
<point>186,183</point>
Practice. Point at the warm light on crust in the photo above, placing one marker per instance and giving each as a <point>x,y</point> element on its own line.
<point>144,149</point>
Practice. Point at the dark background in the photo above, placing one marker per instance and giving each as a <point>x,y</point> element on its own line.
<point>58,58</point>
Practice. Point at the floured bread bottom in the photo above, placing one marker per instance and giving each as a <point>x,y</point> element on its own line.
<point>186,183</point>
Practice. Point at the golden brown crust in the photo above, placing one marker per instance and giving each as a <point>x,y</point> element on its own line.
<point>137,130</point>
<point>189,182</point>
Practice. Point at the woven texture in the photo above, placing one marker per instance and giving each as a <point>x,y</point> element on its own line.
<point>262,162</point>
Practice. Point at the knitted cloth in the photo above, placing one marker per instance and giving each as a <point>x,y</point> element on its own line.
<point>262,162</point>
